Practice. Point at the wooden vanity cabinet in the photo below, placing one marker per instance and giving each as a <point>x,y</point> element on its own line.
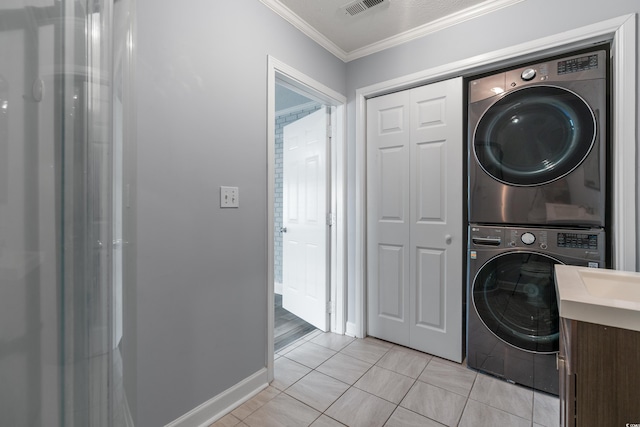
<point>567,383</point>
<point>599,368</point>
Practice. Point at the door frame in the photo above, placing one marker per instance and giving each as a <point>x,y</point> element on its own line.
<point>621,32</point>
<point>278,70</point>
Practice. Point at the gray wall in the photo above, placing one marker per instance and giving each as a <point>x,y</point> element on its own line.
<point>202,271</point>
<point>523,22</point>
<point>201,93</point>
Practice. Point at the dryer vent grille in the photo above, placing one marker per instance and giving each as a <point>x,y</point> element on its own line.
<point>357,7</point>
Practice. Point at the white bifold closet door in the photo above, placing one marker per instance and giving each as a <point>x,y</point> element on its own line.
<point>415,231</point>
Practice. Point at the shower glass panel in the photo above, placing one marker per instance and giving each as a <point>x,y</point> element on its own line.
<point>61,353</point>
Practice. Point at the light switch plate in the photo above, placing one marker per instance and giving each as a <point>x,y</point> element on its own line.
<point>229,197</point>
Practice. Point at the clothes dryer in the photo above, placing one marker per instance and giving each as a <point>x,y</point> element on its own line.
<point>537,143</point>
<point>512,308</point>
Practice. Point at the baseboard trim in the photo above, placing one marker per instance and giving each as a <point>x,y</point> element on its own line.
<point>217,407</point>
<point>277,288</point>
<point>352,330</point>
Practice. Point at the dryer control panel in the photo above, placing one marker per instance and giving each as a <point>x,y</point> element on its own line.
<point>587,66</point>
<point>576,65</point>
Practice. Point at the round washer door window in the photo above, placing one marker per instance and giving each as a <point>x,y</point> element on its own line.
<point>534,135</point>
<point>515,297</point>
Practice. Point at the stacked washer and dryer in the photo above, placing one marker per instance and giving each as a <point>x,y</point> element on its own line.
<point>537,197</point>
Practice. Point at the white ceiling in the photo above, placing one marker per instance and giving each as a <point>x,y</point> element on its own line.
<point>382,26</point>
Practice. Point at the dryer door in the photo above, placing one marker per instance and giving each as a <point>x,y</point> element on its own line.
<point>514,295</point>
<point>534,135</point>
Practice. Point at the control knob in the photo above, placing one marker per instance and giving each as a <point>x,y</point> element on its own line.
<point>528,74</point>
<point>528,238</point>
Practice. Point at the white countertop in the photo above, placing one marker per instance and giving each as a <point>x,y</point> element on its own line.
<point>600,296</point>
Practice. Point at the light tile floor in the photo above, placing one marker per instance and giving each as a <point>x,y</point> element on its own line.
<point>327,380</point>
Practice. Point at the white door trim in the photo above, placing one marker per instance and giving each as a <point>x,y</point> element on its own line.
<point>283,72</point>
<point>621,31</point>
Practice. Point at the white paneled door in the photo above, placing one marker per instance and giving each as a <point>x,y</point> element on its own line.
<point>415,218</point>
<point>305,287</point>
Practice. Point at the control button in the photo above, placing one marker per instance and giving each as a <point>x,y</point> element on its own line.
<point>592,255</point>
<point>528,74</point>
<point>528,238</point>
<point>543,246</point>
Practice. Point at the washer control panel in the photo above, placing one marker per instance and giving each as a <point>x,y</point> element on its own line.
<point>578,240</point>
<point>531,238</point>
<point>585,244</point>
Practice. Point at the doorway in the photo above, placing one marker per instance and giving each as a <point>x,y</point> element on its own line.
<point>295,117</point>
<point>326,163</point>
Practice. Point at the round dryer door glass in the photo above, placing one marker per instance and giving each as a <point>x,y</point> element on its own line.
<point>515,297</point>
<point>534,135</point>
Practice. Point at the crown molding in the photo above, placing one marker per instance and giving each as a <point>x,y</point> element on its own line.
<point>307,29</point>
<point>415,33</point>
<point>476,11</point>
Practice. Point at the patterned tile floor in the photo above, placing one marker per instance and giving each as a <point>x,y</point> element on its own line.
<point>325,380</point>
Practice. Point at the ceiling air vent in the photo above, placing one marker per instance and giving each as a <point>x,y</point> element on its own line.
<point>356,7</point>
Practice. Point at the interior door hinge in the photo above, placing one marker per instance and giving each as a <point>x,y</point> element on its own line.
<point>329,307</point>
<point>330,219</point>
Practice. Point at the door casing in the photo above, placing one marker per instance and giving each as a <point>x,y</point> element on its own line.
<point>283,73</point>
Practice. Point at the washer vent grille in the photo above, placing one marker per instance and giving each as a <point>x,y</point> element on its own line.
<point>360,6</point>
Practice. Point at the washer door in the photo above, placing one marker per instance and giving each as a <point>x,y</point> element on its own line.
<point>514,295</point>
<point>534,135</point>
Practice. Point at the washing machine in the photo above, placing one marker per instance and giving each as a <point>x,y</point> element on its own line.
<point>512,308</point>
<point>537,143</point>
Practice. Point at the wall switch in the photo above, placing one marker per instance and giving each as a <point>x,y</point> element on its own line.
<point>229,197</point>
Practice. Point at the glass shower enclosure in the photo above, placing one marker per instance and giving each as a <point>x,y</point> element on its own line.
<point>64,205</point>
